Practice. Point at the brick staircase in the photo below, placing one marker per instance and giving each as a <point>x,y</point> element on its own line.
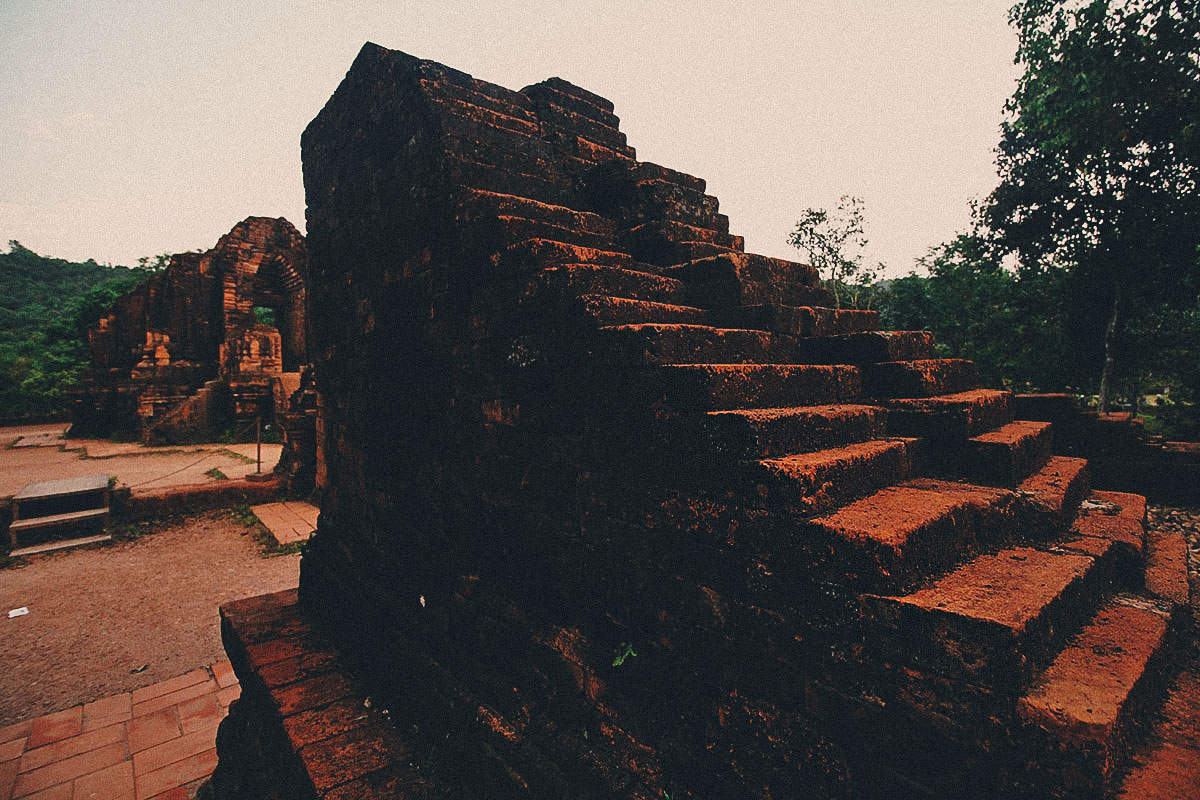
<point>990,579</point>
<point>1003,605</point>
<point>853,556</point>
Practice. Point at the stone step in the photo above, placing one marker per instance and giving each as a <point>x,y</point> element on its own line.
<point>487,111</point>
<point>669,254</point>
<point>1121,504</point>
<point>744,267</point>
<point>486,127</point>
<point>728,294</point>
<point>921,378</point>
<point>507,103</point>
<point>1009,454</point>
<point>691,344</point>
<point>668,242</point>
<point>513,173</point>
<point>65,520</point>
<point>1169,769</point>
<point>764,432</point>
<point>563,120</point>
<point>995,621</point>
<point>1167,566</point>
<point>554,299</point>
<point>530,255</point>
<point>512,229</point>
<point>576,98</point>
<point>1117,517</point>
<point>868,347</point>
<point>800,320</point>
<point>902,534</point>
<point>808,483</point>
<point>738,279</point>
<point>637,192</point>
<point>646,170</point>
<point>576,280</point>
<point>589,154</point>
<point>728,386</point>
<point>475,203</point>
<point>949,416</point>
<point>1051,495</point>
<point>654,198</point>
<point>672,231</point>
<point>1079,715</point>
<point>603,310</point>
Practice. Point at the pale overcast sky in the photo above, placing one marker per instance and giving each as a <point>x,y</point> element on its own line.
<point>134,128</point>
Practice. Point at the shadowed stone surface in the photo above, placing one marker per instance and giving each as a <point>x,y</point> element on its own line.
<point>615,509</point>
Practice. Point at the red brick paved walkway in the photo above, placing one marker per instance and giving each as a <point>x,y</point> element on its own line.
<point>155,742</point>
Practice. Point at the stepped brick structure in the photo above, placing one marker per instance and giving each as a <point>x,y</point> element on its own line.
<point>185,354</point>
<point>1120,454</point>
<point>616,509</point>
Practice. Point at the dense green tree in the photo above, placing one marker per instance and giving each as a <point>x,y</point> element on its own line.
<point>1099,166</point>
<point>47,306</point>
<point>1009,324</point>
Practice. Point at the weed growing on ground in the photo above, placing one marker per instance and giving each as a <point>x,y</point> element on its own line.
<point>242,515</point>
<point>159,451</point>
<point>216,474</point>
<point>624,653</point>
<point>131,531</point>
<point>258,532</point>
<point>225,451</point>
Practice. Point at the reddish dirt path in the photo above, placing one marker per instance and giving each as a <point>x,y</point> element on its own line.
<point>97,613</point>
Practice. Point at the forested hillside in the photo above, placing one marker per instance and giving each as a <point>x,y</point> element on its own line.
<point>46,308</point>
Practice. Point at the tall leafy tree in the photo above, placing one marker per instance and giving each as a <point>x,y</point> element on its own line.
<point>1008,324</point>
<point>1100,162</point>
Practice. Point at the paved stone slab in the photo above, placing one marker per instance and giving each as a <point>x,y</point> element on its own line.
<point>63,487</point>
<point>43,439</point>
<point>106,750</point>
<point>289,521</point>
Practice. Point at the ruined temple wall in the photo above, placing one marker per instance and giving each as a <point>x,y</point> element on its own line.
<point>458,414</point>
<point>492,495</point>
<point>261,263</point>
<point>391,304</point>
<point>180,302</point>
<point>195,322</point>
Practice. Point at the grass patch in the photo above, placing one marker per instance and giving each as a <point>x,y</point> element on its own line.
<point>132,531</point>
<point>225,451</point>
<point>157,451</point>
<point>216,474</point>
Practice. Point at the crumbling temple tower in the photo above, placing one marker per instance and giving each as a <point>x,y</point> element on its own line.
<point>616,509</point>
<point>187,354</point>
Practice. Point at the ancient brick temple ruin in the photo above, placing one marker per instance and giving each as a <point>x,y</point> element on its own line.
<point>616,509</point>
<point>213,342</point>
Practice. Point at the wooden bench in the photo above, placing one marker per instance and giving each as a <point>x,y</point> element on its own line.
<point>61,504</point>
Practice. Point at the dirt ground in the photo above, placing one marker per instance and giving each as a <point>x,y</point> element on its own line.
<point>131,464</point>
<point>99,614</point>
